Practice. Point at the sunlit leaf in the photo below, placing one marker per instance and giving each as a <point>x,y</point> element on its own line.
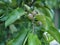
<point>54,33</point>
<point>14,15</point>
<point>33,39</point>
<point>19,39</point>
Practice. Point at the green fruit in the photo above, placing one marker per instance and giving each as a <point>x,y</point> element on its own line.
<point>34,13</point>
<point>30,16</point>
<point>38,23</point>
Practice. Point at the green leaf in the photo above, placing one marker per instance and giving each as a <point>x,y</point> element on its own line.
<point>19,39</point>
<point>33,39</point>
<point>54,33</point>
<point>52,30</point>
<point>49,21</point>
<point>1,11</point>
<point>46,12</point>
<point>14,15</point>
<point>2,3</point>
<point>51,3</point>
<point>13,28</point>
<point>49,26</point>
<point>13,3</point>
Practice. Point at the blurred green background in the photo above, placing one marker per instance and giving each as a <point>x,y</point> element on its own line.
<point>9,6</point>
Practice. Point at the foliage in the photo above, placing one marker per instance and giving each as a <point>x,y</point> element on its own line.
<point>25,22</point>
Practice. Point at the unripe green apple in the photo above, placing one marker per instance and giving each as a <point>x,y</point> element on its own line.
<point>30,16</point>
